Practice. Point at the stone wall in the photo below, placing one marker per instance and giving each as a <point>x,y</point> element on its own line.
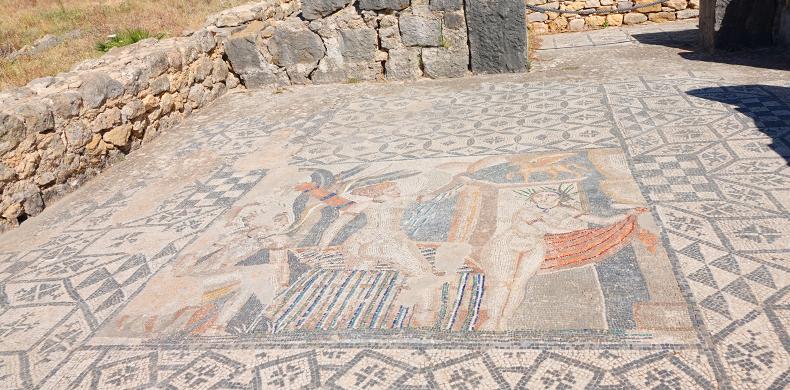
<point>345,41</point>
<point>56,132</point>
<point>556,22</point>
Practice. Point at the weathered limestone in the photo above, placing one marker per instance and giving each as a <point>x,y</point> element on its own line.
<point>389,32</point>
<point>383,5</point>
<point>546,22</point>
<point>419,30</point>
<point>358,44</point>
<point>97,87</point>
<point>659,17</point>
<point>315,9</point>
<point>261,10</point>
<point>497,35</point>
<point>297,49</point>
<point>634,18</point>
<point>352,51</point>
<point>687,14</point>
<point>446,5</point>
<point>248,62</point>
<point>451,58</point>
<point>404,64</point>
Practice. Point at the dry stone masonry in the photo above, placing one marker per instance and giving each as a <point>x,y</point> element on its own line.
<point>543,22</point>
<point>56,132</point>
<point>344,41</point>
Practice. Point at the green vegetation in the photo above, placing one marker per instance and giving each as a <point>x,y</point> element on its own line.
<point>443,42</point>
<point>124,38</point>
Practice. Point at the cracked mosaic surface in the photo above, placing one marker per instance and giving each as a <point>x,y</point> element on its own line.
<point>497,234</point>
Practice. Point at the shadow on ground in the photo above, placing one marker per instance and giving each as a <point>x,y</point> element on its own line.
<point>680,39</point>
<point>768,106</point>
<point>767,57</point>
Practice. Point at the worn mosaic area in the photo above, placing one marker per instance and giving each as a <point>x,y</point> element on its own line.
<point>630,234</point>
<point>452,245</point>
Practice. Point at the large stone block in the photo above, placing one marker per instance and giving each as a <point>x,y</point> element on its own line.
<point>451,59</point>
<point>66,104</point>
<point>403,64</point>
<point>329,70</point>
<point>243,54</point>
<point>648,8</point>
<point>315,9</point>
<point>361,71</point>
<point>359,44</point>
<point>418,30</point>
<point>97,88</point>
<point>293,43</point>
<point>677,4</point>
<point>297,49</point>
<point>383,5</point>
<point>247,61</point>
<point>12,131</point>
<point>440,62</point>
<point>497,35</point>
<point>634,18</point>
<point>389,34</point>
<point>37,116</point>
<point>688,13</point>
<point>661,17</point>
<point>77,135</point>
<point>445,5</point>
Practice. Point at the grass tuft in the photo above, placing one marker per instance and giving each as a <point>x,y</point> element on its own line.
<point>443,42</point>
<point>125,38</point>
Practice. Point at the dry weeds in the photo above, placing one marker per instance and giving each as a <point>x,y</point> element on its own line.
<point>24,21</point>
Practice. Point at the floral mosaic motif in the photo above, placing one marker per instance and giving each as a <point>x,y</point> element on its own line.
<point>557,379</point>
<point>662,379</point>
<point>759,234</point>
<point>750,356</point>
<point>19,325</point>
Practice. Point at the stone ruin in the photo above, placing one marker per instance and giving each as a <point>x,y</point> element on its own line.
<point>343,40</point>
<point>56,132</point>
<point>733,24</point>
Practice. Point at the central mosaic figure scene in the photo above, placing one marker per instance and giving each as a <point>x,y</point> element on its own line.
<point>530,242</point>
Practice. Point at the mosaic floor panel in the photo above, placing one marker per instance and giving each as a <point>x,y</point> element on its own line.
<point>626,234</point>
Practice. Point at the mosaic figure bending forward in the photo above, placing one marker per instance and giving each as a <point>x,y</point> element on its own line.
<point>545,233</point>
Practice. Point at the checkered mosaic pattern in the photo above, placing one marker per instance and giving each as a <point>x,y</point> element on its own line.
<point>667,178</point>
<point>222,189</point>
